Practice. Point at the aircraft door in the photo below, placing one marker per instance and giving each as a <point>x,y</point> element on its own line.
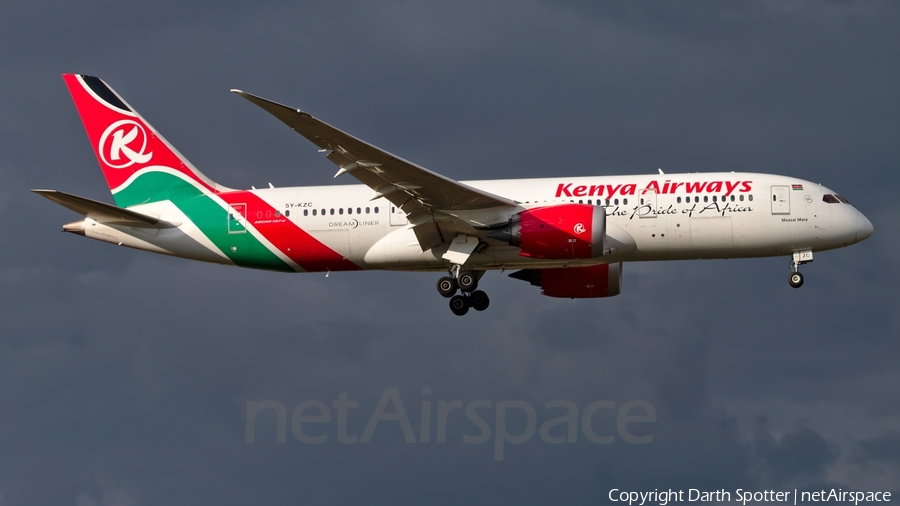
<point>648,204</point>
<point>237,219</point>
<point>781,200</point>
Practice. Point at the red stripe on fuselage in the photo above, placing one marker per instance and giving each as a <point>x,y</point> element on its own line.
<point>294,242</point>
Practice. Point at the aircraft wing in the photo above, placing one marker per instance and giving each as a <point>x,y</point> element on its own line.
<point>416,190</point>
<point>101,211</point>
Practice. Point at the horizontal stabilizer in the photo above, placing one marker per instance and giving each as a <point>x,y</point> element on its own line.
<point>103,212</point>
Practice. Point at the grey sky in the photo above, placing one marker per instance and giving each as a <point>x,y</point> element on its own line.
<point>125,375</point>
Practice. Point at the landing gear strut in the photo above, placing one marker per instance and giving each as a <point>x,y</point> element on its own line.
<point>467,282</point>
<point>797,259</point>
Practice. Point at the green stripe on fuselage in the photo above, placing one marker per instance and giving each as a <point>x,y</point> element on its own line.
<point>242,248</point>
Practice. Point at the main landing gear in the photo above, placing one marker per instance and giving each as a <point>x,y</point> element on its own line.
<point>797,259</point>
<point>467,282</point>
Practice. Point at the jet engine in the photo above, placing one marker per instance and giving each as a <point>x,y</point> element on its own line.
<point>560,232</point>
<point>576,282</point>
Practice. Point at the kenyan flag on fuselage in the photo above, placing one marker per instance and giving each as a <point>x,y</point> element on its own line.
<point>141,167</point>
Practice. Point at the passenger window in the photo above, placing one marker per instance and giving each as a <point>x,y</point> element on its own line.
<point>742,198</point>
<point>341,211</point>
<point>705,198</point>
<point>305,212</point>
<point>714,198</point>
<point>288,212</point>
<point>625,202</point>
<point>617,201</point>
<point>349,210</point>
<point>367,210</point>
<point>358,211</point>
<point>314,212</point>
<point>750,198</point>
<point>376,209</point>
<point>678,200</point>
<point>331,211</point>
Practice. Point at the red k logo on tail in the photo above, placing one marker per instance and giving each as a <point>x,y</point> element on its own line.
<point>126,146</point>
<point>123,144</point>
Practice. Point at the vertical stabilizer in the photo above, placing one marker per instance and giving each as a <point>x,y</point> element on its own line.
<point>139,165</point>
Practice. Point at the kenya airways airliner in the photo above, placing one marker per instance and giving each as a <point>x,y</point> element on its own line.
<point>567,235</point>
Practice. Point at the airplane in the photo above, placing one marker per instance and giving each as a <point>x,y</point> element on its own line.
<point>567,235</point>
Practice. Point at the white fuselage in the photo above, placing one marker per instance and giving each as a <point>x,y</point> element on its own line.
<point>649,217</point>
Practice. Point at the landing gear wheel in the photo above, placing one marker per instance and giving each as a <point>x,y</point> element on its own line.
<point>446,286</point>
<point>459,304</point>
<point>796,280</point>
<point>467,281</point>
<point>479,300</point>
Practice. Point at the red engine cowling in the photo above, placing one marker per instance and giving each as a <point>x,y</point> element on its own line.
<point>576,282</point>
<point>557,232</point>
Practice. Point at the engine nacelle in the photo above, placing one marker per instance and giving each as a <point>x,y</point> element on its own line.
<point>565,231</point>
<point>576,282</point>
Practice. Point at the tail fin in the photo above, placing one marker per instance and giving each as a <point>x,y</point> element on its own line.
<point>140,166</point>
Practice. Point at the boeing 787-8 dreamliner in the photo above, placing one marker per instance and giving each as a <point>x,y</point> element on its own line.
<point>567,235</point>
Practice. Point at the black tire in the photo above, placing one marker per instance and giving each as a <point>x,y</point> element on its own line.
<point>467,281</point>
<point>479,300</point>
<point>459,305</point>
<point>796,280</point>
<point>446,286</point>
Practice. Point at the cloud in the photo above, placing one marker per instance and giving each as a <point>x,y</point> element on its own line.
<point>127,375</point>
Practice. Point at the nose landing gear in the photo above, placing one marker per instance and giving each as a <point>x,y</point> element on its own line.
<point>467,282</point>
<point>797,259</point>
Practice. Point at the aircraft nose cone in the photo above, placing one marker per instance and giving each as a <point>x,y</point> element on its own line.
<point>864,227</point>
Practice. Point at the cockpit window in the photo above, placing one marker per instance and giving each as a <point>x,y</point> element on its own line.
<point>835,199</point>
